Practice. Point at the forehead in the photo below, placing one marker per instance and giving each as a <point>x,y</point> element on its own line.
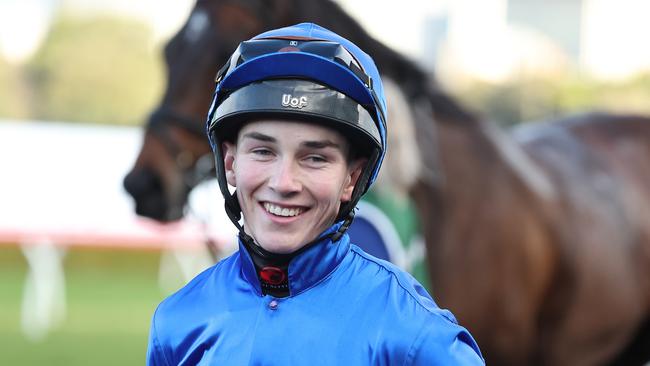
<point>294,130</point>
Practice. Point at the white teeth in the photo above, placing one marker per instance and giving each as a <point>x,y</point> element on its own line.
<point>280,211</point>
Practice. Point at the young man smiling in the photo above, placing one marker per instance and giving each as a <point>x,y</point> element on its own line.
<point>291,179</point>
<point>298,129</point>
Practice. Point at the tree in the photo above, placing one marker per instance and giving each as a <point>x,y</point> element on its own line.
<point>13,92</point>
<point>99,70</point>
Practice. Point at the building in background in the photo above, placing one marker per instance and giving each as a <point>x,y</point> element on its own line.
<point>434,30</point>
<point>561,21</point>
<point>614,37</point>
<point>485,39</point>
<point>499,39</point>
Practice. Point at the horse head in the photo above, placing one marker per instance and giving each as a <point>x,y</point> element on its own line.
<point>175,155</point>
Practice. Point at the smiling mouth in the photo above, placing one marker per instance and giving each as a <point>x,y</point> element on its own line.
<point>282,211</point>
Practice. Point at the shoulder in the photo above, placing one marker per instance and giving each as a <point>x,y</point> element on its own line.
<point>441,342</point>
<point>200,289</point>
<point>427,334</point>
<point>382,273</point>
<point>180,313</point>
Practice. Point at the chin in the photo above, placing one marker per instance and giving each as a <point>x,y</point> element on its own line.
<point>282,245</point>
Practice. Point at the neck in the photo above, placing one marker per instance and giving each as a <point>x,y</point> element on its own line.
<point>478,160</point>
<point>272,268</point>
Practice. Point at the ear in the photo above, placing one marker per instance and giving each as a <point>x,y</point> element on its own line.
<point>354,172</point>
<point>229,150</point>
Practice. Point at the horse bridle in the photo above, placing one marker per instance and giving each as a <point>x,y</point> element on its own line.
<point>159,124</point>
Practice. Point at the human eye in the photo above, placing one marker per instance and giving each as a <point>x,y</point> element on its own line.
<point>316,160</point>
<point>261,152</point>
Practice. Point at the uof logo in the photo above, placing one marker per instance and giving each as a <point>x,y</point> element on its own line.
<point>293,102</point>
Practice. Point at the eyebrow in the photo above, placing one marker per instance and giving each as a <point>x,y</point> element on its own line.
<point>316,144</point>
<point>322,144</point>
<point>259,136</point>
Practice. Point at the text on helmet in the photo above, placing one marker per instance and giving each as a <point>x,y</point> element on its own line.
<point>293,102</point>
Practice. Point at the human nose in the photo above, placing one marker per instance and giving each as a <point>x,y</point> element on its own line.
<point>284,178</point>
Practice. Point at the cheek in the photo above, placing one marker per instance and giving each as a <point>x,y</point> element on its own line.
<point>248,176</point>
<point>328,189</point>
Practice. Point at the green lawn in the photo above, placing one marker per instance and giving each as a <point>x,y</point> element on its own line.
<point>110,297</point>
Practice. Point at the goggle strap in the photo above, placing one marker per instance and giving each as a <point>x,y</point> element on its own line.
<point>222,71</point>
<point>367,80</point>
<point>354,68</point>
<point>233,210</point>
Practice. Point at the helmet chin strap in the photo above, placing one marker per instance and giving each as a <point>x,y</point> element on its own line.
<point>258,250</point>
<point>233,210</point>
<point>344,227</point>
<point>359,189</point>
<point>263,259</point>
<point>267,262</point>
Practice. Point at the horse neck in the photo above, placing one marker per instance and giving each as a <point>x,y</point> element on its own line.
<point>479,163</point>
<point>330,15</point>
<point>474,153</point>
<point>486,199</point>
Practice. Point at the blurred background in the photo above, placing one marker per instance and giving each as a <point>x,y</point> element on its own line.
<point>81,274</point>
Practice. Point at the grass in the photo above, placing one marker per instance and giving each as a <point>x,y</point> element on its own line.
<point>110,297</point>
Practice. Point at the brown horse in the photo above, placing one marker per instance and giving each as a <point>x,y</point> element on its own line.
<point>538,239</point>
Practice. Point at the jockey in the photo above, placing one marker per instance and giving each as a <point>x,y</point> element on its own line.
<point>298,130</point>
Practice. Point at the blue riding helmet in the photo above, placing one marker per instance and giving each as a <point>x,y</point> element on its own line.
<point>302,72</point>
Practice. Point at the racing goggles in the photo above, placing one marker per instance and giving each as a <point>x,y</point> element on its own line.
<point>323,61</point>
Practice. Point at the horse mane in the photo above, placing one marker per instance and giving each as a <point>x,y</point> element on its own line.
<point>597,121</point>
<point>601,118</point>
<point>414,81</point>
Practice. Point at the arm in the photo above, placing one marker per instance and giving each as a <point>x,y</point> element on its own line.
<point>155,355</point>
<point>443,342</point>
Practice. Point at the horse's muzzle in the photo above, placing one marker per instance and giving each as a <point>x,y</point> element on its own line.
<point>147,190</point>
